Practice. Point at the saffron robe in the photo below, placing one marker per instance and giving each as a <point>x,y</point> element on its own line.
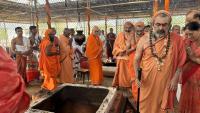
<point>94,48</point>
<point>66,57</point>
<point>49,65</point>
<point>155,96</point>
<point>122,76</point>
<point>190,96</point>
<point>132,71</point>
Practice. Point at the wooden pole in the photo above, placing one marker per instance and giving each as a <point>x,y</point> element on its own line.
<point>47,10</point>
<point>5,29</point>
<point>88,16</point>
<point>88,20</point>
<point>66,20</point>
<point>167,3</point>
<point>36,15</point>
<point>116,25</point>
<point>155,6</point>
<point>32,16</point>
<point>106,24</point>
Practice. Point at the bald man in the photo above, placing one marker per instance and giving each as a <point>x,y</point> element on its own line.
<point>94,48</point>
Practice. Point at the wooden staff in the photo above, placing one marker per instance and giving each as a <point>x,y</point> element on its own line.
<point>138,98</point>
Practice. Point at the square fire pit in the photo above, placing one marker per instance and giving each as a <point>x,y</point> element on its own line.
<point>75,98</point>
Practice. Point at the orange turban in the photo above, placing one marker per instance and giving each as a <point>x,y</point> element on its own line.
<point>161,12</point>
<point>47,32</point>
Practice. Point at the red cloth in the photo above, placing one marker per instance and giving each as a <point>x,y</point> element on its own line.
<point>13,98</point>
<point>190,96</point>
<point>32,75</point>
<point>190,67</point>
<point>189,70</point>
<point>84,63</point>
<point>32,68</point>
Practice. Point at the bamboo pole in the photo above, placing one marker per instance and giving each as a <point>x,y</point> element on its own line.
<point>36,15</point>
<point>167,3</point>
<point>47,10</point>
<point>155,6</point>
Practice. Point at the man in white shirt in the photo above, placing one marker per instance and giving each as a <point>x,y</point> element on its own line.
<point>21,47</point>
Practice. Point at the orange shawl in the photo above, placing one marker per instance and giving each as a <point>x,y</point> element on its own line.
<point>93,47</point>
<point>122,76</point>
<point>93,53</point>
<point>49,65</point>
<point>154,89</point>
<point>66,57</point>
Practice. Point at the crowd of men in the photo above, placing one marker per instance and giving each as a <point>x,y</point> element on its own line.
<point>167,56</point>
<point>53,56</point>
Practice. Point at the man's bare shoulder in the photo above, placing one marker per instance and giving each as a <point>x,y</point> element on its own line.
<point>14,40</point>
<point>144,40</point>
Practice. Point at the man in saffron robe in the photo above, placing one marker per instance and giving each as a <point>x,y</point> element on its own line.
<point>122,77</point>
<point>94,49</point>
<point>161,55</point>
<point>21,47</point>
<point>13,98</point>
<point>190,99</point>
<point>49,62</point>
<point>139,32</point>
<point>66,56</point>
<point>121,51</point>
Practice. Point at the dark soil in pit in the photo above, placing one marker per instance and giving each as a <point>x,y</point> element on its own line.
<point>73,100</point>
<point>76,107</point>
